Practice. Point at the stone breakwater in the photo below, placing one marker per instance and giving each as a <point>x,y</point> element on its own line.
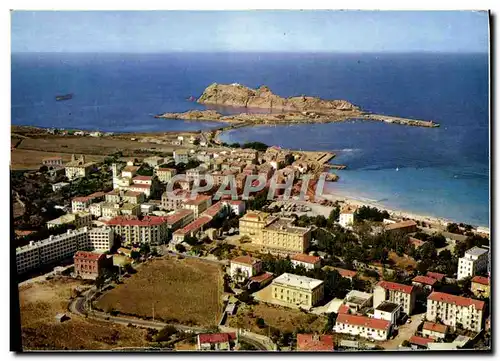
<point>302,109</point>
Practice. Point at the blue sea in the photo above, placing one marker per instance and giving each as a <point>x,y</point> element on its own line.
<point>442,172</point>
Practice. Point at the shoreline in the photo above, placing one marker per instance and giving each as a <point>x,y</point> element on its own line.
<point>394,212</point>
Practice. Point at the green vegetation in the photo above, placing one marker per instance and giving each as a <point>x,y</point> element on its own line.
<point>438,240</point>
<point>370,214</point>
<point>145,170</point>
<point>256,145</point>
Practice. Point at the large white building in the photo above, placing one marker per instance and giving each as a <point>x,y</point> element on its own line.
<point>132,230</point>
<point>62,246</point>
<point>297,290</point>
<point>244,267</point>
<point>400,294</point>
<point>101,239</point>
<point>362,326</point>
<point>455,311</point>
<point>475,260</point>
<point>387,311</point>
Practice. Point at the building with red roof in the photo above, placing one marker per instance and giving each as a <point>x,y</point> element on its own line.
<point>237,206</point>
<point>420,341</point>
<point>362,326</point>
<point>436,275</point>
<point>215,210</point>
<point>416,242</point>
<point>398,293</point>
<point>244,267</point>
<point>434,330</point>
<point>261,279</point>
<point>310,342</point>
<point>217,341</point>
<point>454,310</point>
<point>192,229</point>
<point>480,286</point>
<point>424,282</point>
<point>90,265</point>
<point>408,226</point>
<point>198,204</point>
<point>306,261</point>
<point>134,230</point>
<point>81,204</point>
<point>179,219</point>
<point>343,272</point>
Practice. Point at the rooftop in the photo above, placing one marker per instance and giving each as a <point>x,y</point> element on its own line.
<point>349,209</point>
<point>392,286</point>
<point>388,307</point>
<point>130,168</point>
<point>298,281</point>
<point>344,272</point>
<point>178,215</point>
<point>476,251</point>
<point>142,178</point>
<point>134,221</point>
<point>213,210</point>
<point>132,194</point>
<point>89,255</point>
<point>301,257</point>
<point>250,261</point>
<point>216,337</point>
<point>402,224</point>
<point>456,300</point>
<point>357,297</point>
<point>363,321</point>
<point>286,225</point>
<point>435,327</point>
<point>481,280</point>
<point>420,341</point>
<point>426,280</point>
<point>195,225</point>
<point>198,200</point>
<point>436,275</point>
<point>262,277</point>
<point>310,342</point>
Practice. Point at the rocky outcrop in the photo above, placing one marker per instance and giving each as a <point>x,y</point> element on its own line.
<point>236,95</point>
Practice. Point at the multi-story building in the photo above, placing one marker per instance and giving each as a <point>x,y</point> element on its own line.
<point>346,217</point>
<point>132,230</point>
<point>244,267</point>
<point>475,260</point>
<point>114,196</point>
<point>110,210</point>
<point>297,290</point>
<point>79,219</point>
<point>356,300</point>
<point>52,249</point>
<point>90,265</point>
<point>133,197</point>
<point>101,239</point>
<point>174,202</point>
<point>195,174</point>
<point>198,205</point>
<point>78,168</point>
<point>165,174</point>
<point>179,219</point>
<point>480,286</point>
<point>95,209</point>
<point>192,229</point>
<point>252,224</point>
<point>181,156</point>
<point>283,238</point>
<point>82,204</point>
<point>362,326</point>
<point>397,293</point>
<point>387,311</point>
<point>236,206</point>
<point>455,311</point>
<point>424,283</point>
<point>306,261</point>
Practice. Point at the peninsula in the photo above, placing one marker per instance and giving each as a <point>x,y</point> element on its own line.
<point>299,109</point>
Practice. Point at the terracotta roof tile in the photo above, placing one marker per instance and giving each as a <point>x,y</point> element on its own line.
<point>310,342</point>
<point>435,327</point>
<point>392,286</point>
<point>425,280</point>
<point>482,280</point>
<point>421,341</point>
<point>363,321</point>
<point>301,257</point>
<point>456,300</point>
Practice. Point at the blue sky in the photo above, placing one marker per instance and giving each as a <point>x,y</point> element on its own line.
<point>295,31</point>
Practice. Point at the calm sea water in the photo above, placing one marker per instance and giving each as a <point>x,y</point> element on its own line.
<point>442,172</point>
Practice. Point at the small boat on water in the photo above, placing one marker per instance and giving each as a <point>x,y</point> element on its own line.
<point>64,97</point>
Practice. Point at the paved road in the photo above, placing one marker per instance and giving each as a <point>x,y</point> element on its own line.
<point>404,333</point>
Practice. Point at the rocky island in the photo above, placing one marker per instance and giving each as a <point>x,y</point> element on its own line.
<point>298,109</point>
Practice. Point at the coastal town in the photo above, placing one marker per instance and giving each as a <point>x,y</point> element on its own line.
<point>182,242</point>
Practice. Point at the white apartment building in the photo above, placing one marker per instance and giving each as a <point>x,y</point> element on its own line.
<point>475,260</point>
<point>400,294</point>
<point>362,326</point>
<point>244,267</point>
<point>51,249</point>
<point>297,290</point>
<point>149,229</point>
<point>80,219</point>
<point>181,156</point>
<point>95,209</point>
<point>346,217</point>
<point>455,311</point>
<point>101,239</point>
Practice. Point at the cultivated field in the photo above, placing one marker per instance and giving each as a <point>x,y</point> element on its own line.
<point>284,319</point>
<point>186,291</point>
<point>39,304</point>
